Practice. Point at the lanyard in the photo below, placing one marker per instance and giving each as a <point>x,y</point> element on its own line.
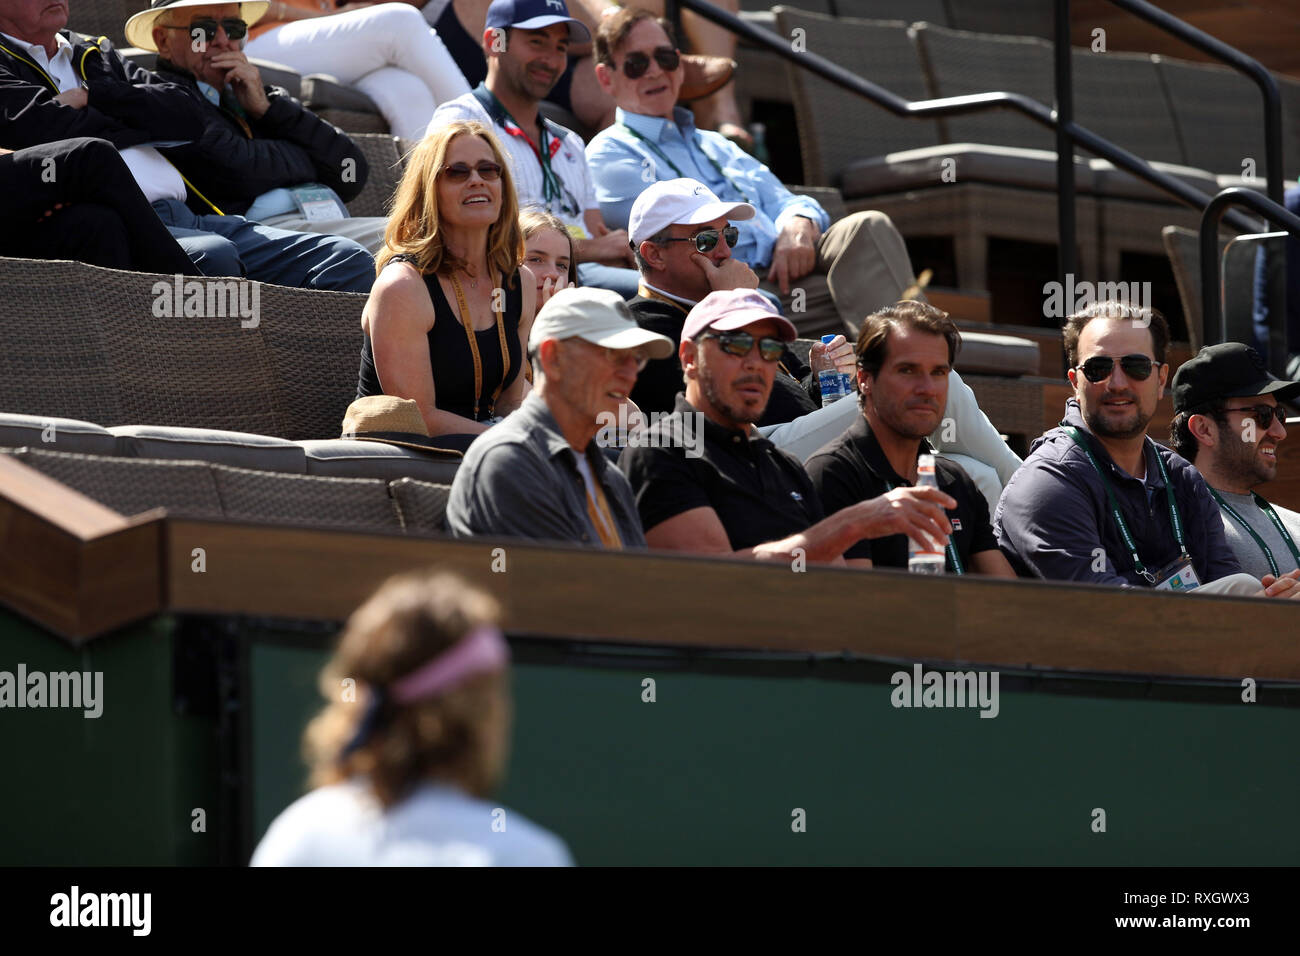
<point>598,512</point>
<point>698,145</point>
<point>549,144</point>
<point>1174,517</point>
<point>1265,507</point>
<point>949,549</point>
<point>468,322</point>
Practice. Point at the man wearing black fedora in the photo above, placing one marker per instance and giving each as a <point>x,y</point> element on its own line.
<point>57,85</point>
<point>1228,422</point>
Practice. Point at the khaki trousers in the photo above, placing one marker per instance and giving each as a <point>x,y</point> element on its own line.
<point>862,264</point>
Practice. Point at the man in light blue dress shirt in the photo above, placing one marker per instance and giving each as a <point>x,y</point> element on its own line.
<point>791,241</point>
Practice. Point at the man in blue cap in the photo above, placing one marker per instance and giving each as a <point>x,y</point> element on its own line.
<point>526,43</point>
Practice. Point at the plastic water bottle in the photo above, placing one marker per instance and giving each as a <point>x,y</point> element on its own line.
<point>829,379</point>
<point>922,560</point>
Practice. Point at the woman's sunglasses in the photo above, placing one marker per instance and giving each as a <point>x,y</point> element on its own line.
<point>739,344</point>
<point>235,28</point>
<point>1099,367</point>
<point>459,172</point>
<point>706,239</point>
<point>636,63</point>
<point>1263,414</point>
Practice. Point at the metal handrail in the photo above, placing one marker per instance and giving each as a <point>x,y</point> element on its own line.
<point>1211,292</point>
<point>1059,119</point>
<point>1273,171</point>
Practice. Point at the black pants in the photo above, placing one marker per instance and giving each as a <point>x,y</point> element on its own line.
<point>106,220</point>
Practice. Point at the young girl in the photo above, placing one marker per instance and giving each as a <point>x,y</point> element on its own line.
<point>548,253</point>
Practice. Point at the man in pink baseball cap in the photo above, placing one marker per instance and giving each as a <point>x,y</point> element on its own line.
<point>742,495</point>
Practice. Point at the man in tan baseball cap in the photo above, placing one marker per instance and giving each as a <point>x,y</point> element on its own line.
<point>540,474</point>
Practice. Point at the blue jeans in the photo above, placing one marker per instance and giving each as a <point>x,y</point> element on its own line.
<point>233,245</point>
<point>601,276</point>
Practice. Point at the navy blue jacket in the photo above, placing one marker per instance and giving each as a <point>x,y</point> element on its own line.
<point>1262,306</point>
<point>1054,514</point>
<point>126,105</point>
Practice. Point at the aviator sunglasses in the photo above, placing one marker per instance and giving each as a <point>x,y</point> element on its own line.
<point>636,63</point>
<point>739,344</point>
<point>235,28</point>
<point>1099,367</point>
<point>459,172</point>
<point>707,239</point>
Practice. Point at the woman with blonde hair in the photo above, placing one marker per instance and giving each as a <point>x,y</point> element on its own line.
<point>447,322</point>
<point>413,738</point>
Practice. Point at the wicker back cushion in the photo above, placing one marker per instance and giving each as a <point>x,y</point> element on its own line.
<point>194,371</point>
<point>313,344</point>
<point>960,63</point>
<point>385,164</point>
<point>299,499</point>
<point>132,486</point>
<point>1219,114</point>
<point>422,504</point>
<point>837,127</point>
<point>1012,17</point>
<point>104,17</point>
<point>1120,96</point>
<point>54,361</point>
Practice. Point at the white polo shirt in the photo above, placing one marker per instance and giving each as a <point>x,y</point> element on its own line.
<point>569,165</point>
<point>157,178</point>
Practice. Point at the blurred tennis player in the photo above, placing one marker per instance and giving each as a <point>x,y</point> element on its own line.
<point>406,751</point>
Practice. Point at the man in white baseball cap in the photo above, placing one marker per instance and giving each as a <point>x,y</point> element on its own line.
<point>540,474</point>
<point>683,239</point>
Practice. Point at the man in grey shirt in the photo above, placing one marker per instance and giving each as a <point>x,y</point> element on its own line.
<point>1228,423</point>
<point>540,474</point>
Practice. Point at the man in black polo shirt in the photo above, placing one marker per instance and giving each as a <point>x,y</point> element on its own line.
<point>905,353</point>
<point>741,495</point>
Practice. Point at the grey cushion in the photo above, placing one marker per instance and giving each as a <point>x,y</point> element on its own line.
<point>346,458</point>
<point>422,504</point>
<point>55,434</point>
<point>237,449</point>
<point>972,162</point>
<point>983,353</point>
<point>1119,184</point>
<point>321,91</point>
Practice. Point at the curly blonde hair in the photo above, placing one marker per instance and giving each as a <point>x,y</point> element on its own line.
<point>414,224</point>
<point>458,736</point>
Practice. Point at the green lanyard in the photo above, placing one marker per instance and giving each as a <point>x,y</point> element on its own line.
<point>1174,518</point>
<point>552,188</point>
<point>954,558</point>
<point>681,175</point>
<point>1265,507</point>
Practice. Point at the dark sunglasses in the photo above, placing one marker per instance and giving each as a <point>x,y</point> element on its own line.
<point>707,239</point>
<point>739,344</point>
<point>636,63</point>
<point>459,172</point>
<point>235,28</point>
<point>1263,414</point>
<point>1099,367</point>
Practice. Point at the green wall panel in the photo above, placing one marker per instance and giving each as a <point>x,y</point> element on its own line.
<point>117,789</point>
<point>711,772</point>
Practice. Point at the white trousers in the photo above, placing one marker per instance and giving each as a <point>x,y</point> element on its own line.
<point>387,52</point>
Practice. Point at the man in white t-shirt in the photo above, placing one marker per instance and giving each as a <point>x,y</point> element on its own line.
<point>525,42</point>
